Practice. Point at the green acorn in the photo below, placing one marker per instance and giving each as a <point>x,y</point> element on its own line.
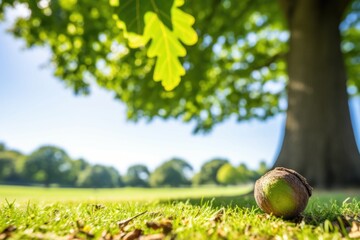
<point>282,192</point>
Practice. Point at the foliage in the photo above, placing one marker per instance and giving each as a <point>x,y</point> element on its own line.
<point>2,147</point>
<point>79,165</point>
<point>48,165</point>
<point>245,174</point>
<point>7,166</point>
<point>51,165</point>
<point>227,175</point>
<point>98,176</point>
<point>236,71</point>
<point>10,165</point>
<point>160,23</point>
<point>231,72</point>
<point>171,173</point>
<point>137,176</point>
<point>263,168</point>
<point>230,175</point>
<point>165,44</point>
<point>208,172</point>
<point>116,179</point>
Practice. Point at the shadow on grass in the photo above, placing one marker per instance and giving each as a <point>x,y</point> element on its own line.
<point>332,206</point>
<point>244,200</point>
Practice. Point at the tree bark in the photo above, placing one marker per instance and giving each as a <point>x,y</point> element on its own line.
<point>319,140</point>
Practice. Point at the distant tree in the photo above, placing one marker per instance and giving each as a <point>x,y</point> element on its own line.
<point>182,166</point>
<point>171,173</point>
<point>208,172</point>
<point>10,166</point>
<point>48,165</point>
<point>137,176</point>
<point>98,176</point>
<point>263,168</point>
<point>2,147</point>
<point>246,174</point>
<point>7,166</point>
<point>228,175</point>
<point>116,178</point>
<point>80,164</point>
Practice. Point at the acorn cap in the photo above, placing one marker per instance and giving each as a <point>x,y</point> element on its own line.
<point>282,192</point>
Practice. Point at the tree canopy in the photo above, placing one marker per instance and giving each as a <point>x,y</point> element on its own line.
<point>99,176</point>
<point>171,173</point>
<point>236,69</point>
<point>228,175</point>
<point>48,164</point>
<point>231,71</point>
<point>208,172</point>
<point>137,176</point>
<point>10,165</point>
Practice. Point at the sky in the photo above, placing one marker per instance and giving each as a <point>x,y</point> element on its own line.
<point>37,109</point>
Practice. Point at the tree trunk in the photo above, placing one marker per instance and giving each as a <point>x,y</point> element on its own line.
<point>319,140</point>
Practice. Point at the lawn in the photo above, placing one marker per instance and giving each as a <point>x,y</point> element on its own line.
<point>120,194</point>
<point>184,213</point>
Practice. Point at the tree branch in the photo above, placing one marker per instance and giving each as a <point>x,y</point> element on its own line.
<point>267,62</point>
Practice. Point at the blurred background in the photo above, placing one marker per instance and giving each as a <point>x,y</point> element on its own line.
<point>53,137</point>
<point>93,141</point>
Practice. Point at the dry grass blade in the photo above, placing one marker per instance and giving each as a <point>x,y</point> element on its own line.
<point>221,233</point>
<point>125,222</point>
<point>133,235</point>
<point>87,233</point>
<point>218,216</point>
<point>81,229</point>
<point>6,233</point>
<point>80,224</point>
<point>165,225</point>
<point>106,236</point>
<point>355,230</point>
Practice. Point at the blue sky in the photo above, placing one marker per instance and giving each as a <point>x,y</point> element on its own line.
<point>37,109</point>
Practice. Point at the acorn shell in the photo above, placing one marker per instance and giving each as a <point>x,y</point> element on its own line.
<point>282,192</point>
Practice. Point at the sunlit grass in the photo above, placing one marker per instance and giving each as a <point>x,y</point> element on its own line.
<point>116,194</point>
<point>193,213</point>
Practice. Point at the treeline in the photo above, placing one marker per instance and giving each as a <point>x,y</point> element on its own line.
<point>52,166</point>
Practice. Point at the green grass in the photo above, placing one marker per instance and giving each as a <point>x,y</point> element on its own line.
<point>120,194</point>
<point>193,213</point>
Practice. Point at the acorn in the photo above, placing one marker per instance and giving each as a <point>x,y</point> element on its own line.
<point>282,192</point>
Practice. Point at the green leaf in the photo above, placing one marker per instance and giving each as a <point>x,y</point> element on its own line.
<point>165,44</point>
<point>182,26</point>
<point>132,12</point>
<point>167,48</point>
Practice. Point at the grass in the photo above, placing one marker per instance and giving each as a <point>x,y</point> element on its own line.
<point>193,213</point>
<point>120,194</point>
